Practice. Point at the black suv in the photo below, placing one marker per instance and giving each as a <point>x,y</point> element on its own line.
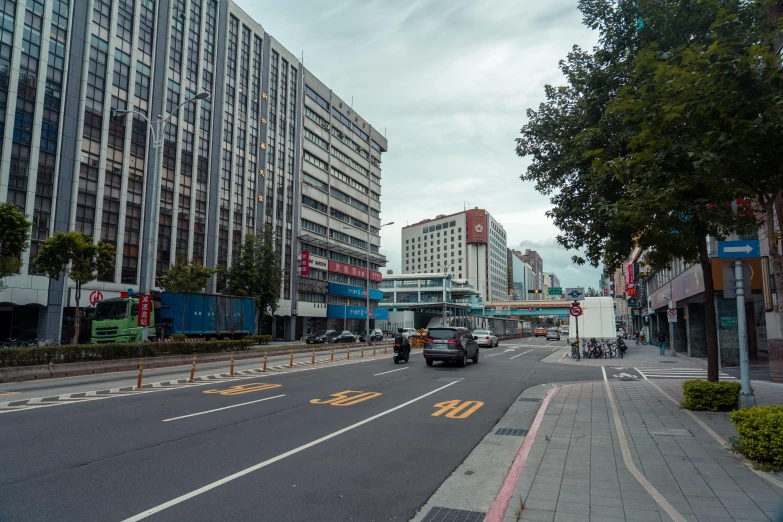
<point>341,337</point>
<point>321,336</point>
<point>450,344</point>
<point>375,335</point>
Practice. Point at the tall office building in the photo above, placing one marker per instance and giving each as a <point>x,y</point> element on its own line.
<point>71,160</point>
<point>520,276</point>
<point>532,258</point>
<point>469,245</point>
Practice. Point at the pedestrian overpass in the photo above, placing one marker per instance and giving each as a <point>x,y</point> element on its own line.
<point>527,308</point>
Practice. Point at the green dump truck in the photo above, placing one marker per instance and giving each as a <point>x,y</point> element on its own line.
<point>115,321</point>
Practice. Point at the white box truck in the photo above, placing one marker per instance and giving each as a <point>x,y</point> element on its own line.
<point>596,321</point>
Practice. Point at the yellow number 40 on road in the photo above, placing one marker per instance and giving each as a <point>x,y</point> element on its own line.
<point>347,398</point>
<point>457,409</point>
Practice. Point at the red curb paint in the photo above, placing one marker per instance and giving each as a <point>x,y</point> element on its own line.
<point>503,498</point>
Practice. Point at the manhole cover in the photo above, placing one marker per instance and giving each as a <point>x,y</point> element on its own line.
<point>528,399</point>
<point>514,432</point>
<point>449,379</point>
<point>438,514</point>
<point>674,432</point>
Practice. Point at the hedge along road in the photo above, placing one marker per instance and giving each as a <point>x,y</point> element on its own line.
<point>116,459</point>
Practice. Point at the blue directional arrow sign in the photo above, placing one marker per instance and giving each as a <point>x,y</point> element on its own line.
<point>738,249</point>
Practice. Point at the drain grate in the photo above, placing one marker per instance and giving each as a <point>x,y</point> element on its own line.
<point>528,399</point>
<point>442,514</point>
<point>514,432</point>
<point>450,379</point>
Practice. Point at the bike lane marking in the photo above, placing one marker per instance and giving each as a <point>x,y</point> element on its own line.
<point>521,354</point>
<point>268,462</point>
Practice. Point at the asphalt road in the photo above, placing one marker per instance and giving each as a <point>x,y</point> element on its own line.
<point>354,440</point>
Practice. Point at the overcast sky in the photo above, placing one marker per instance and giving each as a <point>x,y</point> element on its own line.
<point>449,81</point>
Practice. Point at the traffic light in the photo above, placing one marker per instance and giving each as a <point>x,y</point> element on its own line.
<point>534,291</point>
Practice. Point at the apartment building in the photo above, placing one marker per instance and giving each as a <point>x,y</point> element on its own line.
<point>72,159</point>
<point>468,245</point>
<point>536,262</point>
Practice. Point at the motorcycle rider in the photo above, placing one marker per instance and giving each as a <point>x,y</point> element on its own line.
<point>399,340</point>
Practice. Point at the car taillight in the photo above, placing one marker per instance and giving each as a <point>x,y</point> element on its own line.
<point>428,340</point>
<point>487,337</point>
<point>452,341</point>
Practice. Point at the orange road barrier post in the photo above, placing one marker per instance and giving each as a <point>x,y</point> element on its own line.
<point>265,353</point>
<point>373,351</point>
<point>362,351</point>
<point>332,354</point>
<point>141,367</point>
<point>291,361</point>
<point>313,361</point>
<point>193,369</point>
<point>384,350</point>
<point>349,354</point>
<point>231,369</point>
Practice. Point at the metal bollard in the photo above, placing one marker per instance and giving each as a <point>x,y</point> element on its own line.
<point>264,360</point>
<point>193,369</point>
<point>231,369</point>
<point>291,361</point>
<point>141,367</point>
<point>332,354</point>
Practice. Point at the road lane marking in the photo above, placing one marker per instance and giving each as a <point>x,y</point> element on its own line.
<point>455,409</point>
<point>347,398</point>
<point>390,371</point>
<point>245,388</point>
<point>521,354</point>
<point>223,408</point>
<point>8,393</point>
<point>268,462</point>
<point>628,459</point>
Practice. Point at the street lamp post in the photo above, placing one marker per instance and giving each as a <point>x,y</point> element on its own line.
<point>367,319</point>
<point>157,128</point>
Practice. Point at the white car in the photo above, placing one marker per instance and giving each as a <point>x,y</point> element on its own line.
<point>408,332</point>
<point>485,338</point>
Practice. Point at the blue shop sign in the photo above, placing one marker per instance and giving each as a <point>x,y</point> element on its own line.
<point>354,291</point>
<point>355,312</point>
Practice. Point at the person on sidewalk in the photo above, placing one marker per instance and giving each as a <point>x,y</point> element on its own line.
<point>662,341</point>
<point>636,337</point>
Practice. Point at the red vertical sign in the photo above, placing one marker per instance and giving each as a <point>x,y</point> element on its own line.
<point>304,263</point>
<point>629,280</point>
<point>145,310</point>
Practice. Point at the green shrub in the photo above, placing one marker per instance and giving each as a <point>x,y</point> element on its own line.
<point>179,337</point>
<point>259,339</point>
<point>760,432</point>
<point>108,352</point>
<point>710,396</point>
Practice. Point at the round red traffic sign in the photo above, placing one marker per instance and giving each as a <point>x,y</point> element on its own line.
<point>530,309</point>
<point>576,310</point>
<point>95,297</point>
<point>672,312</point>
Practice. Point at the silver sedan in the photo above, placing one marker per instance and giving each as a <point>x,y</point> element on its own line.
<point>485,338</point>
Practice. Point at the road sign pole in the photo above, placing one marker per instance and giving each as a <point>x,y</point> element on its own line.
<point>672,306</point>
<point>746,399</point>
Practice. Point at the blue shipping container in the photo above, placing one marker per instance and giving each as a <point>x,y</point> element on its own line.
<point>207,314</point>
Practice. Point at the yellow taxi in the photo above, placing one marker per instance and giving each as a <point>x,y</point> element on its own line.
<point>540,331</point>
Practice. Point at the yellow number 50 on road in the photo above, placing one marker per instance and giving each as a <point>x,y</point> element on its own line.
<point>346,398</point>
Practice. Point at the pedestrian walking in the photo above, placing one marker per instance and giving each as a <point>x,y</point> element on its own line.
<point>636,337</point>
<point>662,341</point>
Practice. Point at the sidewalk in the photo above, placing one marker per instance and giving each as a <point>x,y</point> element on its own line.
<point>660,465</point>
<point>641,356</point>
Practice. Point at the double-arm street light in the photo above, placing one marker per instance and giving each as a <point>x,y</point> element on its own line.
<point>157,128</point>
<point>367,319</point>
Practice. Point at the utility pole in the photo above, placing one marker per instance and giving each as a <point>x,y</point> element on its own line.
<point>672,306</point>
<point>746,399</point>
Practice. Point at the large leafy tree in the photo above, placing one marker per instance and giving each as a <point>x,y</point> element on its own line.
<point>255,272</point>
<point>186,278</point>
<point>79,258</point>
<point>14,239</point>
<point>609,194</point>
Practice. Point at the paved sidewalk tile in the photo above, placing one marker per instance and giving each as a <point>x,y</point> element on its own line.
<point>580,473</point>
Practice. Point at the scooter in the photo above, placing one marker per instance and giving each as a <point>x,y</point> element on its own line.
<point>401,352</point>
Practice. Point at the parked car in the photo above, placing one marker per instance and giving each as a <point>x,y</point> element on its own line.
<point>564,331</point>
<point>320,336</point>
<point>407,333</point>
<point>552,333</point>
<point>539,331</point>
<point>343,337</point>
<point>485,338</point>
<point>450,344</point>
<point>375,335</point>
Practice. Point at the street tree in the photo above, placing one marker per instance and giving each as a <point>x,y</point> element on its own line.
<point>255,272</point>
<point>607,199</point>
<point>185,277</point>
<point>592,292</point>
<point>75,255</point>
<point>14,239</point>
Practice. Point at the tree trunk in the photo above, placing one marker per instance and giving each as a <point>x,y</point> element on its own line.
<point>711,325</point>
<point>184,312</point>
<point>76,314</point>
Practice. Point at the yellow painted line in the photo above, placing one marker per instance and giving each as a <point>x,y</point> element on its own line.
<point>3,394</point>
<point>245,388</point>
<point>654,493</point>
<point>457,409</point>
<point>347,398</point>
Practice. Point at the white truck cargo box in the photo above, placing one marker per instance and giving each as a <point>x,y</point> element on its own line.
<point>596,321</point>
